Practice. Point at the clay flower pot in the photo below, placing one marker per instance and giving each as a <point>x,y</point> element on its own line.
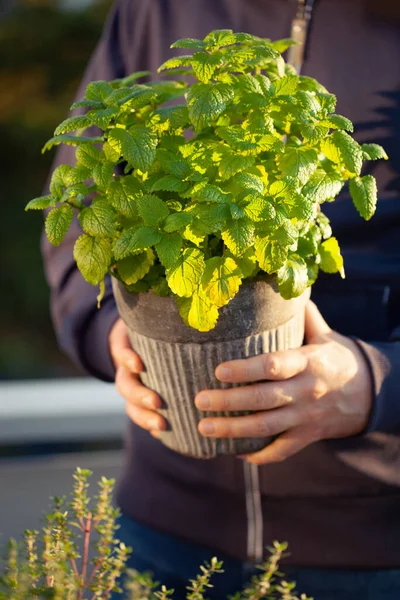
<point>180,361</point>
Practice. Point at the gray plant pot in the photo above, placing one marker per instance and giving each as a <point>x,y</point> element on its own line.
<point>180,361</point>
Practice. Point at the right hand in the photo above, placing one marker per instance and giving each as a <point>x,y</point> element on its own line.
<point>141,403</point>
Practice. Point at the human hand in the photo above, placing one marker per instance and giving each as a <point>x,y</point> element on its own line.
<point>141,403</point>
<point>320,391</point>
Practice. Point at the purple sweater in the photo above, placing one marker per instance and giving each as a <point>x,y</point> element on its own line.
<point>337,502</point>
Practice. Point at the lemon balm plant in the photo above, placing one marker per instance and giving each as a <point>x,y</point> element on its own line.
<point>209,205</point>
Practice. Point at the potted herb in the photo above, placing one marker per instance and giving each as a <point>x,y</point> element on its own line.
<point>206,212</point>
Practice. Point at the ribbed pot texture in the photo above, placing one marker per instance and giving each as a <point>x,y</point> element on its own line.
<point>180,361</point>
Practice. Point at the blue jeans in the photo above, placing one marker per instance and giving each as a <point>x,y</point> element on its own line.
<point>173,562</point>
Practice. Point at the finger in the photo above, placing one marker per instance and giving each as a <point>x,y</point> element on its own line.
<point>121,350</point>
<point>315,324</point>
<point>146,419</point>
<point>271,366</point>
<point>288,444</point>
<point>131,388</point>
<point>257,397</point>
<point>264,424</point>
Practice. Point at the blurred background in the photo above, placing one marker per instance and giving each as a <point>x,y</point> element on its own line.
<point>51,418</point>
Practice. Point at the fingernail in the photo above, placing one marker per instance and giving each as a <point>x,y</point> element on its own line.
<point>148,401</point>
<point>224,372</point>
<point>207,428</point>
<point>203,401</point>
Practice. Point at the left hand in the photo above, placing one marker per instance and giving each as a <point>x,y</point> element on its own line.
<point>322,390</point>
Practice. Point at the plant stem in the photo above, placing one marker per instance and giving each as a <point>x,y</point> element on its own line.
<point>86,546</point>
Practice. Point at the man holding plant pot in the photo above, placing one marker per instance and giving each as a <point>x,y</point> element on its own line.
<point>330,482</point>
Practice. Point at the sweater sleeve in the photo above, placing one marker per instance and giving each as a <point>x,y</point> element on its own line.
<point>82,329</point>
<point>384,363</point>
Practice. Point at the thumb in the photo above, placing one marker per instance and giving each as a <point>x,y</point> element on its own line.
<point>315,324</point>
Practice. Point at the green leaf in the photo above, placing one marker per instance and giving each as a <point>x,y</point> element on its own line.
<point>260,209</point>
<point>184,277</point>
<point>70,140</point>
<point>337,122</point>
<point>204,65</point>
<point>173,63</point>
<point>248,181</point>
<point>343,150</point>
<point>324,225</point>
<point>41,203</point>
<point>299,163</point>
<point>93,257</point>
<point>309,101</point>
<point>327,101</point>
<point>190,43</point>
<point>60,179</point>
<point>130,98</point>
<point>72,124</point>
<point>127,81</point>
<point>173,165</point>
<point>138,146</point>
<point>247,263</point>
<point>206,102</point>
<point>98,91</point>
<point>239,236</point>
<point>233,163</point>
<point>270,254</point>
<point>102,117</point>
<point>373,152</point>
<point>331,259</point>
<point>323,186</point>
<point>198,312</point>
<point>284,189</point>
<point>57,224</point>
<point>211,193</point>
<point>134,239</point>
<point>133,268</point>
<point>209,218</point>
<point>170,183</point>
<point>102,174</point>
<point>98,219</point>
<point>176,221</point>
<point>363,191</point>
<point>292,278</point>
<point>88,155</point>
<point>152,209</point>
<point>169,249</point>
<point>122,193</point>
<point>286,85</point>
<point>221,280</point>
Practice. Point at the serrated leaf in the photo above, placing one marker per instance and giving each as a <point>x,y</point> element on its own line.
<point>300,208</point>
<point>211,193</point>
<point>169,249</point>
<point>292,278</point>
<point>134,239</point>
<point>41,203</point>
<point>221,280</point>
<point>309,101</point>
<point>189,43</point>
<point>60,179</point>
<point>133,268</point>
<point>337,122</point>
<point>248,181</point>
<point>343,150</point>
<point>299,163</point>
<point>88,156</point>
<point>364,194</point>
<point>270,254</point>
<point>98,91</point>
<point>72,124</point>
<point>286,234</point>
<point>282,45</point>
<point>204,65</point>
<point>198,312</point>
<point>138,146</point>
<point>323,186</point>
<point>331,258</point>
<point>93,257</point>
<point>374,152</point>
<point>79,189</point>
<point>173,63</point>
<point>176,221</point>
<point>247,263</point>
<point>327,101</point>
<point>206,102</point>
<point>239,236</point>
<point>84,103</point>
<point>102,174</point>
<point>122,194</point>
<point>130,98</point>
<point>283,188</point>
<point>57,224</point>
<point>102,117</point>
<point>98,219</point>
<point>260,209</point>
<point>324,225</point>
<point>170,183</point>
<point>176,115</point>
<point>286,85</point>
<point>127,81</point>
<point>233,163</point>
<point>69,140</point>
<point>209,218</point>
<point>152,209</point>
<point>184,277</point>
<point>236,211</point>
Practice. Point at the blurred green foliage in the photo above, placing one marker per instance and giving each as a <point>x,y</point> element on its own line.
<point>43,53</point>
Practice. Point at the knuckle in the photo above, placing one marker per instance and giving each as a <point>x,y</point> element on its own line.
<point>271,365</point>
<point>258,397</point>
<point>265,427</point>
<point>317,388</point>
